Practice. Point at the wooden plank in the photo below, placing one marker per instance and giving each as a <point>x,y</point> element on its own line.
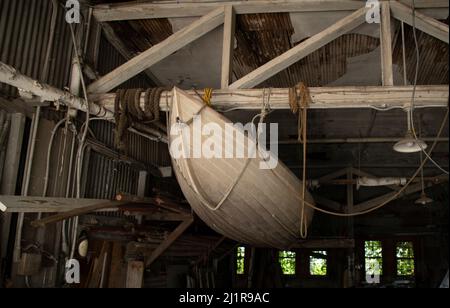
<point>423,22</point>
<point>168,241</point>
<point>158,52</point>
<point>322,97</point>
<point>116,274</point>
<point>301,50</point>
<point>114,40</point>
<point>135,275</point>
<point>28,204</point>
<point>228,46</point>
<point>387,76</point>
<point>75,212</point>
<point>172,9</point>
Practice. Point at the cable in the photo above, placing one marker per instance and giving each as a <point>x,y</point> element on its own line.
<point>397,194</point>
<point>83,138</point>
<point>416,74</point>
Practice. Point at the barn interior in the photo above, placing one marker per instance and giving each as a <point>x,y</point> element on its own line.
<point>91,196</point>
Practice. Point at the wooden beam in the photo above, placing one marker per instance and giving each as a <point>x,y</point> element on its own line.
<point>409,190</point>
<point>228,46</point>
<point>387,76</point>
<point>301,50</point>
<point>135,275</point>
<point>158,52</point>
<point>322,98</point>
<point>27,204</point>
<point>120,46</point>
<point>168,241</point>
<point>75,212</point>
<point>173,9</point>
<point>423,22</point>
<point>326,243</point>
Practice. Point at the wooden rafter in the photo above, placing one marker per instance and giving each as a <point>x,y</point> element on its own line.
<point>301,50</point>
<point>172,9</point>
<point>168,241</point>
<point>423,22</point>
<point>120,46</point>
<point>158,52</point>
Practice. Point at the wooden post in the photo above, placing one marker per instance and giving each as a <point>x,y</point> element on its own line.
<point>386,45</point>
<point>228,46</point>
<point>135,275</point>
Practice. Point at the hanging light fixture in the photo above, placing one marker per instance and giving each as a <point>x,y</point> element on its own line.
<point>409,144</point>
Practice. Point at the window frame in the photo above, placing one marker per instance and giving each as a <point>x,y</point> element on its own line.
<point>294,258</point>
<point>326,262</point>
<point>413,258</point>
<point>381,258</point>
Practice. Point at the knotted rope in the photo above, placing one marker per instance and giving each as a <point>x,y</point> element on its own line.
<point>299,100</point>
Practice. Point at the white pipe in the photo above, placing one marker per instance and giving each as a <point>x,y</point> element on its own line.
<point>386,181</point>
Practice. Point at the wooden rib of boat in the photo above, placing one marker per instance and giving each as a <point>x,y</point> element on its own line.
<point>234,196</point>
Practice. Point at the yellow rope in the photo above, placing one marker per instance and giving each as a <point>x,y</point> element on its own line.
<point>207,96</point>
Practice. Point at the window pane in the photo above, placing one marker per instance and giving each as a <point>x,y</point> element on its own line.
<point>240,260</point>
<point>405,250</point>
<point>318,263</point>
<point>374,266</point>
<point>405,267</point>
<point>373,249</point>
<point>287,262</point>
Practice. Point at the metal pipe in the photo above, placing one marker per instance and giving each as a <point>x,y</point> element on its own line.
<point>26,181</point>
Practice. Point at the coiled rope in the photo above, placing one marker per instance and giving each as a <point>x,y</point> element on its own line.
<point>127,110</point>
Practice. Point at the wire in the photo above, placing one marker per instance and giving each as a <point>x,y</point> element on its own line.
<point>397,194</point>
<point>83,138</point>
<point>416,74</point>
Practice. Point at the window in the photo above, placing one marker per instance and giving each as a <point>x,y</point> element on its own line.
<point>318,263</point>
<point>373,253</point>
<point>240,260</point>
<point>405,258</point>
<point>287,262</point>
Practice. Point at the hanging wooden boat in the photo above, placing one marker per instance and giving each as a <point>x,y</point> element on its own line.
<point>236,198</point>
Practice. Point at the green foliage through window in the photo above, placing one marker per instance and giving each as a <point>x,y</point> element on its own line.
<point>318,263</point>
<point>405,259</point>
<point>287,262</point>
<point>373,253</point>
<point>240,260</point>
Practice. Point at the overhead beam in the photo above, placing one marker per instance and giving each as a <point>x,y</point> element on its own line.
<point>322,98</point>
<point>28,204</point>
<point>228,46</point>
<point>387,76</point>
<point>423,22</point>
<point>168,241</point>
<point>75,212</point>
<point>120,46</point>
<point>158,52</point>
<point>301,50</point>
<point>173,9</point>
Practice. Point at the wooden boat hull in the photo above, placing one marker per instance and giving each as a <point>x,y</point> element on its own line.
<point>263,208</point>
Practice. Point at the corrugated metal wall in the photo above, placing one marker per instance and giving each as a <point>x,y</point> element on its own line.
<point>24,36</point>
